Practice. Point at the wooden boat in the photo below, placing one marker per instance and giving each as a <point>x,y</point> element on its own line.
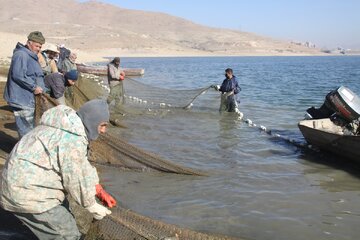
<point>327,136</point>
<point>102,70</point>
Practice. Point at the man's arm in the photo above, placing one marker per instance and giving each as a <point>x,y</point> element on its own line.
<point>53,66</point>
<point>237,87</point>
<point>79,177</point>
<point>221,89</point>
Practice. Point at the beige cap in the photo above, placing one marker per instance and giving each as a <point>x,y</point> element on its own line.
<point>50,47</point>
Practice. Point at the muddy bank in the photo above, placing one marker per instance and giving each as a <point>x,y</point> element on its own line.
<point>10,227</point>
<point>8,134</point>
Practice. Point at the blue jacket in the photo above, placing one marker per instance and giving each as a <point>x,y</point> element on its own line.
<point>25,74</point>
<point>230,84</point>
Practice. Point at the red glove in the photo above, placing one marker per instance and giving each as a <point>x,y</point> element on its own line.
<point>122,76</point>
<point>104,197</point>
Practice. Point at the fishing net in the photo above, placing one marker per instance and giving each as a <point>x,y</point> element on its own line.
<point>128,225</point>
<point>154,97</point>
<point>109,149</point>
<point>139,95</point>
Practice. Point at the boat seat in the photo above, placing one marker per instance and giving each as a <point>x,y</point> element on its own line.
<point>327,125</point>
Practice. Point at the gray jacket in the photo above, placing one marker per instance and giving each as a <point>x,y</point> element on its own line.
<point>113,72</point>
<point>55,83</point>
<point>25,74</point>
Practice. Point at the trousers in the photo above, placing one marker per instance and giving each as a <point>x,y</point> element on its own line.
<point>56,223</point>
<point>116,92</point>
<point>24,119</point>
<point>228,103</point>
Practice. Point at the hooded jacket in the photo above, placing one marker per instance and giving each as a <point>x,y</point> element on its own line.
<point>92,114</point>
<point>25,74</point>
<point>47,163</point>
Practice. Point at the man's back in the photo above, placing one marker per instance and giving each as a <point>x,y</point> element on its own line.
<point>45,161</point>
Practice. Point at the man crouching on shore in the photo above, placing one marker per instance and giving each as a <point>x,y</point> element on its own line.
<point>51,161</point>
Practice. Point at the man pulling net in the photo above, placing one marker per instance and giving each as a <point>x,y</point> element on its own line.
<point>229,93</point>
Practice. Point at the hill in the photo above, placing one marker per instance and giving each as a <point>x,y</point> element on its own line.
<point>97,27</point>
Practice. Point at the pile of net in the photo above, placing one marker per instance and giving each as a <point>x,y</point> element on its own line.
<point>126,224</point>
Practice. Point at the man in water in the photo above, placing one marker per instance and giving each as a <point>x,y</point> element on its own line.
<point>25,80</point>
<point>229,90</point>
<point>50,162</point>
<point>115,78</point>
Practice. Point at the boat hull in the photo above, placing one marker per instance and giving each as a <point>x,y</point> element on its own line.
<point>102,70</point>
<point>347,146</point>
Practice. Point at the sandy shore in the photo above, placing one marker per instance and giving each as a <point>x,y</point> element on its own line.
<point>8,42</point>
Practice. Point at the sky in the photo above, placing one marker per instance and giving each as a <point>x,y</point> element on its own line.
<point>326,23</point>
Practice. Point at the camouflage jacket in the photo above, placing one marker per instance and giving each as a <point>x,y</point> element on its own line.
<point>47,163</point>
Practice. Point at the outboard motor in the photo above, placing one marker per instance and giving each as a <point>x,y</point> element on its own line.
<point>341,103</point>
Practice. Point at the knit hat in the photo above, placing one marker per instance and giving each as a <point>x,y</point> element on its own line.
<point>36,37</point>
<point>116,60</point>
<point>71,75</point>
<point>92,113</point>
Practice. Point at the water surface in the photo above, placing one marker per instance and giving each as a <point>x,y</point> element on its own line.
<point>259,187</point>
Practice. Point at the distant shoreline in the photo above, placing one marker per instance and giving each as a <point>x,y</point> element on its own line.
<point>8,42</point>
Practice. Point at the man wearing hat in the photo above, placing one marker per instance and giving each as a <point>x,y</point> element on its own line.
<point>25,80</point>
<point>69,62</point>
<point>47,59</point>
<point>229,93</point>
<point>115,77</point>
<point>57,82</point>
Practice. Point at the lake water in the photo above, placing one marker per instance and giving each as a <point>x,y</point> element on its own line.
<point>259,187</point>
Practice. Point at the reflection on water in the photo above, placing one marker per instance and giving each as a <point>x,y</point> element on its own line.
<point>259,187</point>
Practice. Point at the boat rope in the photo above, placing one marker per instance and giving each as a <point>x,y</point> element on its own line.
<point>272,133</point>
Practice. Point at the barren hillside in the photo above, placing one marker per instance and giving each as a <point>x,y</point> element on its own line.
<point>93,25</point>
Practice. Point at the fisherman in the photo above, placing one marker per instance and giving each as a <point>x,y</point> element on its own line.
<point>56,83</point>
<point>64,53</point>
<point>69,63</point>
<point>229,90</point>
<point>25,80</point>
<point>50,162</point>
<point>115,77</point>
<point>47,59</point>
